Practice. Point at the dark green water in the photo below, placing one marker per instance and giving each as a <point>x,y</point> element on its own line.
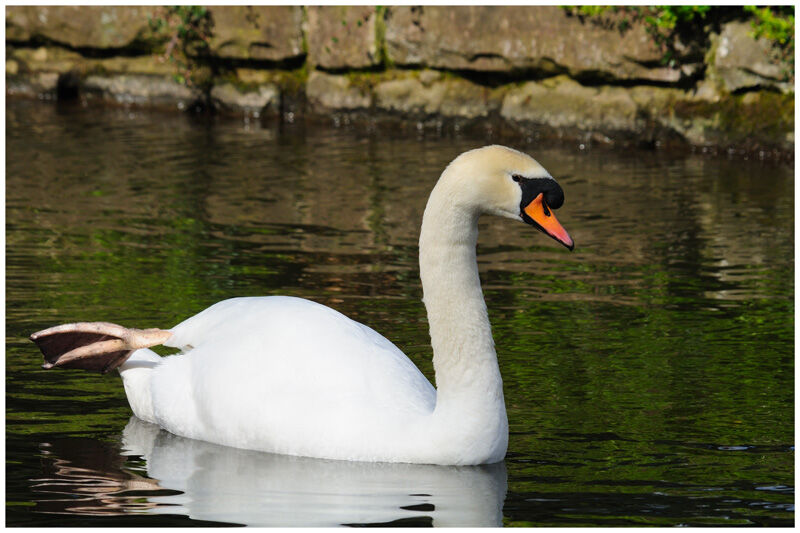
<point>649,375</point>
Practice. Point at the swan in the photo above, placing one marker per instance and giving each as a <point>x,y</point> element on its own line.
<point>290,376</point>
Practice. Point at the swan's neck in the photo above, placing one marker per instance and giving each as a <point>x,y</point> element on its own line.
<point>469,387</point>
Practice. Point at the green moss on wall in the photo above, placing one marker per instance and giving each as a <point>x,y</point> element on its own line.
<point>761,115</point>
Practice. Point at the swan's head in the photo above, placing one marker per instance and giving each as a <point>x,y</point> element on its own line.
<point>502,181</point>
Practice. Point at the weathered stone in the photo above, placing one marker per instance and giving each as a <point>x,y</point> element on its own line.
<point>563,103</point>
<point>47,59</point>
<point>39,55</point>
<point>78,26</point>
<point>742,62</point>
<point>12,67</point>
<point>655,101</point>
<point>706,91</point>
<point>36,85</point>
<point>47,81</point>
<point>449,98</point>
<point>254,76</point>
<point>139,89</point>
<point>151,64</point>
<point>61,60</point>
<point>656,122</point>
<point>328,92</point>
<point>342,37</point>
<point>538,38</point>
<point>271,33</point>
<point>763,118</point>
<point>248,101</point>
<point>758,117</point>
<point>408,96</point>
<point>428,76</point>
<point>464,99</point>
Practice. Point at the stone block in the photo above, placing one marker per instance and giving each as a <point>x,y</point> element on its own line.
<point>33,85</point>
<point>408,96</point>
<point>326,92</point>
<point>79,26</point>
<point>535,38</point>
<point>230,98</point>
<point>342,37</point>
<point>741,62</point>
<point>563,103</point>
<point>139,89</point>
<point>254,76</point>
<point>272,33</point>
<point>149,64</point>
<point>47,81</point>
<point>451,98</point>
<point>47,59</point>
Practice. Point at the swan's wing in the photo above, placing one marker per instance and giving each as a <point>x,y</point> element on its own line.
<point>288,364</point>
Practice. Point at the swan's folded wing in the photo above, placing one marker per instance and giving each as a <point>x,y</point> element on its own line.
<point>290,365</point>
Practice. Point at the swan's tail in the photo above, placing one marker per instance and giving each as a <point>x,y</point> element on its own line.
<point>95,346</point>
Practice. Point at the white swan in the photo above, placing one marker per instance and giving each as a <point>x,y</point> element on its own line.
<point>291,376</point>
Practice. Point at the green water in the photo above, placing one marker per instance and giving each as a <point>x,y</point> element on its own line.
<point>648,375</point>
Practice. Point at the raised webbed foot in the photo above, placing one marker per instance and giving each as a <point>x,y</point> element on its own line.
<point>95,346</point>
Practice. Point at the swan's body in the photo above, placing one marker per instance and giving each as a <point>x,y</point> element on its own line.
<point>332,383</point>
<point>291,376</point>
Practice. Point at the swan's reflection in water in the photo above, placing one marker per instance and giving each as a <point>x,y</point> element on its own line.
<point>222,484</point>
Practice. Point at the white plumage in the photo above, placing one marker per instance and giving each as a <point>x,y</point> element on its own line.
<point>254,367</point>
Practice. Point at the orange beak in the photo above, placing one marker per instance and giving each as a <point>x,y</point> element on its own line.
<point>544,218</point>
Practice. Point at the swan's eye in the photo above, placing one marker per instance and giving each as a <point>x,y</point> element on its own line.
<point>516,177</point>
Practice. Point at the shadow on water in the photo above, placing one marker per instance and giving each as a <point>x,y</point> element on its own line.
<point>648,376</point>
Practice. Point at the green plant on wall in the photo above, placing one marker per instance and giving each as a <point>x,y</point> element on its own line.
<point>776,24</point>
<point>665,23</point>
<point>662,23</point>
<point>187,31</point>
<point>380,36</point>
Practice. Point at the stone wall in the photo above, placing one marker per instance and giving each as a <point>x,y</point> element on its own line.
<point>536,72</point>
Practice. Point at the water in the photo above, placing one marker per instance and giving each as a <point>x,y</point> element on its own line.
<point>649,375</point>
